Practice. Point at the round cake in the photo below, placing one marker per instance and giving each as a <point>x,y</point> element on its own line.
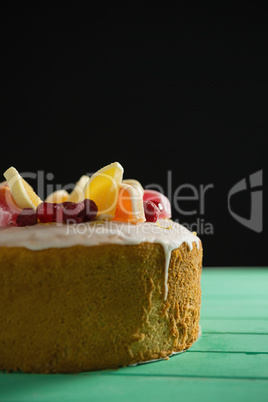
<point>97,294</point>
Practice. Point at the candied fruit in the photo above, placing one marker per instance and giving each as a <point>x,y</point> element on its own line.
<point>58,196</point>
<point>27,217</point>
<point>160,200</point>
<point>151,210</point>
<point>103,188</point>
<point>89,212</point>
<point>71,211</point>
<point>22,192</point>
<point>49,212</point>
<point>129,206</point>
<point>8,207</point>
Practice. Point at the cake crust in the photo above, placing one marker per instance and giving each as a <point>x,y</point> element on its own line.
<point>85,308</point>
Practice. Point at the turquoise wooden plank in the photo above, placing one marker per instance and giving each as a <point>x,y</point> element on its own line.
<point>239,343</point>
<point>231,281</point>
<point>112,388</point>
<point>234,295</point>
<point>212,365</point>
<point>234,326</point>
<point>235,300</point>
<point>224,272</point>
<point>226,308</point>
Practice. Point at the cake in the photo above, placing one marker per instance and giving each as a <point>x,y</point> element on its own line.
<point>95,293</point>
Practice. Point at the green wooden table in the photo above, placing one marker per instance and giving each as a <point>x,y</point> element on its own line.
<point>228,363</point>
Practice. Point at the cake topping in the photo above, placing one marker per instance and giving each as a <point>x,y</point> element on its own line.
<point>77,195</point>
<point>103,188</point>
<point>89,212</point>
<point>67,212</point>
<point>129,207</point>
<point>160,200</point>
<point>8,208</point>
<point>27,217</point>
<point>58,196</point>
<point>22,192</point>
<point>104,195</point>
<point>98,232</point>
<point>72,212</point>
<point>151,211</point>
<point>134,183</point>
<point>49,212</point>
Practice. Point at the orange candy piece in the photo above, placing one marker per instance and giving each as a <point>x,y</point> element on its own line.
<point>129,207</point>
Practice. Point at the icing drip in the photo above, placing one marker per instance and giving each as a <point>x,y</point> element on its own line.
<point>165,232</point>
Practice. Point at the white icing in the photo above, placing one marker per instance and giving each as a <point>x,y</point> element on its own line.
<point>43,236</point>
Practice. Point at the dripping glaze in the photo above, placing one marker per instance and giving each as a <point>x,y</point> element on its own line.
<point>43,236</point>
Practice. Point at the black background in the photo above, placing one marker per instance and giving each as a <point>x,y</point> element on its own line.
<point>164,91</point>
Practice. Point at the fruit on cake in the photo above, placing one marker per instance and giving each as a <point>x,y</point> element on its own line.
<point>96,279</point>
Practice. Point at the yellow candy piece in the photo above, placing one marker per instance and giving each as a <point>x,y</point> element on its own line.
<point>103,188</point>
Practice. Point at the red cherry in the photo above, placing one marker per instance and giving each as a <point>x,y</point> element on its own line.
<point>27,217</point>
<point>160,200</point>
<point>90,210</point>
<point>151,211</point>
<point>49,212</point>
<point>71,211</point>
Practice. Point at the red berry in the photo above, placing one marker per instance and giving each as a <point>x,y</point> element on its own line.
<point>27,217</point>
<point>67,212</point>
<point>160,200</point>
<point>49,212</point>
<point>151,211</point>
<point>71,211</point>
<point>89,212</point>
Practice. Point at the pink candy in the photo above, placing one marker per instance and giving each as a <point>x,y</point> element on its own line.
<point>8,209</point>
<point>6,218</point>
